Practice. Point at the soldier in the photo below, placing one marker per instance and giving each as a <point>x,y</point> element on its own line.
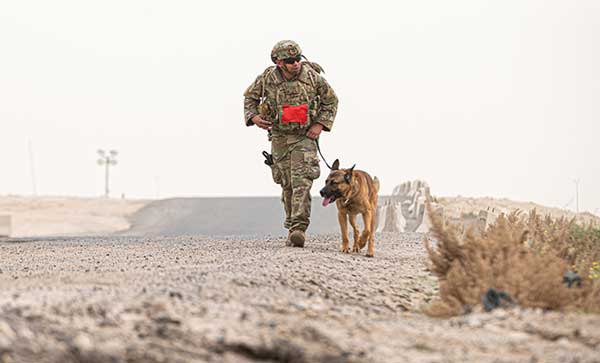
<point>294,103</point>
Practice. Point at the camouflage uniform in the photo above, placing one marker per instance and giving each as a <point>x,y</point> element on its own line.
<point>296,163</point>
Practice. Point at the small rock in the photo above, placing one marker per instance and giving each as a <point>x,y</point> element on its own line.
<point>7,331</point>
<point>83,343</point>
<point>175,294</point>
<point>113,350</point>
<point>500,314</point>
<point>164,318</point>
<point>5,345</point>
<point>25,333</point>
<point>474,322</point>
<point>564,342</point>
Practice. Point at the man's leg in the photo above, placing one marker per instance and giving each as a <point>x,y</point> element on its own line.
<point>286,191</point>
<point>301,204</point>
<point>286,199</point>
<point>304,169</point>
<point>283,168</point>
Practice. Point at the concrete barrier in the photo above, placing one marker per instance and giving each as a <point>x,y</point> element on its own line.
<point>5,226</point>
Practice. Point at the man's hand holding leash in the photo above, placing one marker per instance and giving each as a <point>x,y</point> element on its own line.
<point>262,123</point>
<point>314,131</point>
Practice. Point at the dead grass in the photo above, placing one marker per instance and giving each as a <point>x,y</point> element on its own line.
<point>525,255</point>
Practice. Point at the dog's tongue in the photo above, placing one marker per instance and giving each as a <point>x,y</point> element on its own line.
<point>326,201</point>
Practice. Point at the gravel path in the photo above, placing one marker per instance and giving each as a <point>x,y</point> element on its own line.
<point>191,299</point>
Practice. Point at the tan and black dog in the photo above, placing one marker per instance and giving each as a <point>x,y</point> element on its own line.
<point>354,192</point>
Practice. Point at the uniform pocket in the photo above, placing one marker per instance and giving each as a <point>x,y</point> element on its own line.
<point>276,174</point>
<point>313,170</point>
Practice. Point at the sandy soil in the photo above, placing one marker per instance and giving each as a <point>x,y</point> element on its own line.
<point>67,216</point>
<point>457,206</point>
<point>189,299</point>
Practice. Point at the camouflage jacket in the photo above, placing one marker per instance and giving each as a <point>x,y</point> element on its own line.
<point>272,92</point>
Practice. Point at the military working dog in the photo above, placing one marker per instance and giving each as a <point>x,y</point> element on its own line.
<point>354,192</point>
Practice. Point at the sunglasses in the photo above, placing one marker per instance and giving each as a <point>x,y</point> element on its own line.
<point>292,60</point>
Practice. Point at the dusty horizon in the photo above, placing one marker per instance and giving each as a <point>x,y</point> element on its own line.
<point>478,98</point>
<point>150,199</point>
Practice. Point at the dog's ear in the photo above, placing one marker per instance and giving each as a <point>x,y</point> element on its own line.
<point>336,165</point>
<point>348,175</point>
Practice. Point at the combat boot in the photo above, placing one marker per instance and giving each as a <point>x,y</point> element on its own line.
<point>288,241</point>
<point>297,238</point>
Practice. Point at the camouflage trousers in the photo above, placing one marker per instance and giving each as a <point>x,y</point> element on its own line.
<point>296,166</point>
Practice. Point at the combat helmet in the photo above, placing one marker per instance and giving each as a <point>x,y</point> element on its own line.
<point>285,49</point>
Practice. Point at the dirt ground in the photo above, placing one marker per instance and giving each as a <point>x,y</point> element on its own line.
<point>67,216</point>
<point>191,299</point>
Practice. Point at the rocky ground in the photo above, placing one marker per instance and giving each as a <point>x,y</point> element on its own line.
<point>192,299</point>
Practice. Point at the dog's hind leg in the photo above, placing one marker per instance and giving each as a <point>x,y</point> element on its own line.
<point>344,227</point>
<point>355,246</point>
<point>372,234</point>
<point>366,233</point>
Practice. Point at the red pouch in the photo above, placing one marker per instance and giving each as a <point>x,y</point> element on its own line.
<point>294,114</point>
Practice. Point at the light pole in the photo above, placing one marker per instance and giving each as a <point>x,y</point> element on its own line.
<point>576,181</point>
<point>107,160</point>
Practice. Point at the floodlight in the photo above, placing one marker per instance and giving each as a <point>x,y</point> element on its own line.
<point>107,160</point>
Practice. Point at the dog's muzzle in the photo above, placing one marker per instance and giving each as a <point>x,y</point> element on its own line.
<point>329,196</point>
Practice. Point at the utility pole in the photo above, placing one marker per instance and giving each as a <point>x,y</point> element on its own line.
<point>106,160</point>
<point>576,181</point>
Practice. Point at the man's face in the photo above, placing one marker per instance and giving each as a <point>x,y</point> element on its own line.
<point>291,65</point>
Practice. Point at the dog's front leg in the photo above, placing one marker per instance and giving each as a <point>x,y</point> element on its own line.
<point>356,245</point>
<point>344,227</point>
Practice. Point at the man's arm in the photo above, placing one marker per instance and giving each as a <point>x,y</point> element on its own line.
<point>252,114</point>
<point>328,106</point>
<point>252,100</point>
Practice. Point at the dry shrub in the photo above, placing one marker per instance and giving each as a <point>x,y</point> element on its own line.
<point>525,256</point>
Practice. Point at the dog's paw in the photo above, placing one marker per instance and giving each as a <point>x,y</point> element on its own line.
<point>355,248</point>
<point>369,254</point>
<point>345,249</point>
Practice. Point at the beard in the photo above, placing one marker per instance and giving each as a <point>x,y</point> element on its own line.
<point>293,69</point>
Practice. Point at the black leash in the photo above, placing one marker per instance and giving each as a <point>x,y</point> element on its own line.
<point>320,153</point>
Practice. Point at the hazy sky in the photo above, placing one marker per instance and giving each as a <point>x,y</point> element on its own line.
<point>479,98</point>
